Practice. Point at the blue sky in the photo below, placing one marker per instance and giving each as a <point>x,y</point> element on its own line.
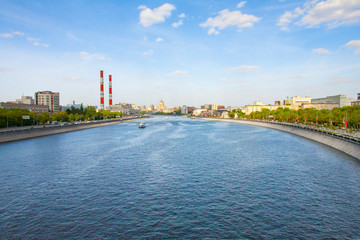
<point>185,52</point>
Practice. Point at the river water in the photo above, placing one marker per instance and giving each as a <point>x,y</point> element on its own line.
<point>177,178</point>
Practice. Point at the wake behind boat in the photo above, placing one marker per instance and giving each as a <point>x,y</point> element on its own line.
<point>142,125</point>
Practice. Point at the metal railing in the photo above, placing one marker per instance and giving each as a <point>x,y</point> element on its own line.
<point>338,133</point>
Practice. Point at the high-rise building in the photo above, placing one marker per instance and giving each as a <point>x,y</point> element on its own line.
<point>161,106</point>
<point>48,98</point>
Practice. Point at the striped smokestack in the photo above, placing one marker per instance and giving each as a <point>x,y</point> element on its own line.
<point>101,90</point>
<point>110,91</point>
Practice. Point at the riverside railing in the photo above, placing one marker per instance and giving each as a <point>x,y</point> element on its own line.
<point>322,130</point>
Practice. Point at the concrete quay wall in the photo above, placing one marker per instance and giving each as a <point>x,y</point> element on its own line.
<point>35,132</point>
<point>352,149</point>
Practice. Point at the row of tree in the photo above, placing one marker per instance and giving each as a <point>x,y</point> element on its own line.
<point>341,117</point>
<point>23,117</point>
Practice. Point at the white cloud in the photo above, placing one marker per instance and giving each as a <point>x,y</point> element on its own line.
<point>10,35</point>
<point>237,80</point>
<point>72,36</point>
<point>244,68</point>
<point>227,18</point>
<point>149,17</point>
<point>285,78</point>
<point>18,33</point>
<point>354,44</point>
<point>70,78</point>
<point>149,52</point>
<point>83,54</point>
<point>6,35</point>
<point>32,39</point>
<point>286,19</point>
<point>41,44</point>
<point>159,39</point>
<point>337,80</point>
<point>321,51</point>
<point>3,69</point>
<point>182,15</point>
<point>177,24</point>
<point>178,73</point>
<point>142,7</point>
<point>240,4</point>
<point>103,58</point>
<point>314,13</point>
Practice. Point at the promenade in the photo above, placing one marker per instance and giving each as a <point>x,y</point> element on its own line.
<point>22,133</point>
<point>346,143</point>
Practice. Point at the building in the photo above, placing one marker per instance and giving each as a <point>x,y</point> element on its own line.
<point>184,109</point>
<point>320,106</point>
<point>354,103</point>
<point>25,100</point>
<point>257,103</point>
<point>219,113</point>
<point>161,107</point>
<point>125,108</point>
<point>151,108</point>
<point>198,111</point>
<point>299,100</point>
<point>69,106</point>
<point>48,98</point>
<point>257,108</point>
<point>287,102</point>
<point>207,107</point>
<point>30,107</point>
<point>341,100</point>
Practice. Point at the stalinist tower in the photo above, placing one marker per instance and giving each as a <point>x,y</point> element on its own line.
<point>161,106</point>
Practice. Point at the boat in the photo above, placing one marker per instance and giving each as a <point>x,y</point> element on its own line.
<point>142,125</point>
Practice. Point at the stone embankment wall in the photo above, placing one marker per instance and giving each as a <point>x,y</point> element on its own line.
<point>343,145</point>
<point>38,131</point>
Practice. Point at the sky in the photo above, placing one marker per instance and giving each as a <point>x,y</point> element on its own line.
<point>186,52</point>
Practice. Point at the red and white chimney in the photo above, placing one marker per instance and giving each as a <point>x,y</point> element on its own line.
<point>110,91</point>
<point>102,90</point>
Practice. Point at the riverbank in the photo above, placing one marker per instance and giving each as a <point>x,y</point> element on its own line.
<point>35,132</point>
<point>343,145</point>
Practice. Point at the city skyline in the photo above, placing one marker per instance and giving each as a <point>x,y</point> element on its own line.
<point>184,52</point>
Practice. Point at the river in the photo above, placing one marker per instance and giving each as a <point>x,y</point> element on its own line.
<point>177,178</point>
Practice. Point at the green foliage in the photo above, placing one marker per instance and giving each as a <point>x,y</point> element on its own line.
<point>13,117</point>
<point>237,112</point>
<point>337,116</point>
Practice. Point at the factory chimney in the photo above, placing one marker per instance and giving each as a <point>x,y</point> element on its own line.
<point>110,91</point>
<point>101,90</point>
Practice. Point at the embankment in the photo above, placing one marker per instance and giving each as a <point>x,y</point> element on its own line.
<point>35,132</point>
<point>343,145</point>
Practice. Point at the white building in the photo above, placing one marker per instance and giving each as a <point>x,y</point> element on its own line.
<point>184,109</point>
<point>198,111</point>
<point>299,100</point>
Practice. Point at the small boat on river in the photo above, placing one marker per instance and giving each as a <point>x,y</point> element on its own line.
<point>142,125</point>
